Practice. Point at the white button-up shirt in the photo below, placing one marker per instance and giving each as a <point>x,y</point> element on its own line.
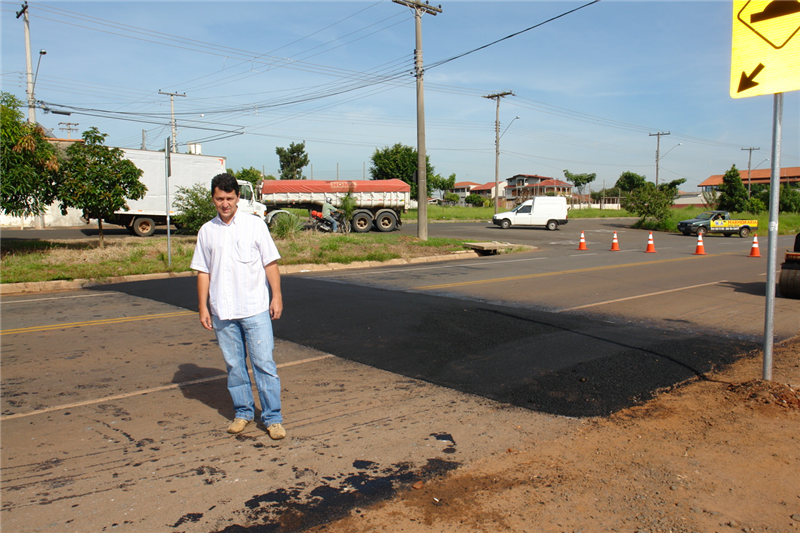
<point>234,256</point>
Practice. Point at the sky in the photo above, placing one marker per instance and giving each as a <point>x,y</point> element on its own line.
<point>590,88</point>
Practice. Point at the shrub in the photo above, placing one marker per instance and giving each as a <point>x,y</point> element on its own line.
<point>286,226</point>
<point>195,207</point>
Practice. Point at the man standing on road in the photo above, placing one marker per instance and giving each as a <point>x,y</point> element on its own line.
<point>235,257</point>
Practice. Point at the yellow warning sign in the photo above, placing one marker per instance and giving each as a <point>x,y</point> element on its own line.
<point>765,53</point>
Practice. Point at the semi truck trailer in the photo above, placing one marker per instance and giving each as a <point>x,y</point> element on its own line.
<point>379,203</point>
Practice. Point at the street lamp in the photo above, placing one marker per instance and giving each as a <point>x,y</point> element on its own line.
<point>509,125</point>
<point>42,52</point>
<point>497,165</point>
<point>750,174</point>
<point>662,157</point>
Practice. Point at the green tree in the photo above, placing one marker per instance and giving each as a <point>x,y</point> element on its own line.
<point>438,183</point>
<point>789,199</point>
<point>451,198</point>
<point>474,199</point>
<point>649,202</point>
<point>253,175</point>
<point>292,160</point>
<point>399,162</point>
<point>195,208</point>
<point>98,179</point>
<point>580,180</point>
<point>630,181</point>
<point>30,164</point>
<point>613,192</point>
<point>732,192</point>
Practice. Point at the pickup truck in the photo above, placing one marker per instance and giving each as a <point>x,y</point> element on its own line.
<point>717,222</point>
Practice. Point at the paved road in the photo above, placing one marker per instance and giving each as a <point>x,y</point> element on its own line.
<point>114,404</point>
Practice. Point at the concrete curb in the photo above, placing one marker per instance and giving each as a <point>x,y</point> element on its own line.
<point>68,285</point>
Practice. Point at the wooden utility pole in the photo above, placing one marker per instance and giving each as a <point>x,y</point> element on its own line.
<point>497,97</point>
<point>68,128</point>
<point>172,114</point>
<point>749,162</point>
<point>658,148</point>
<point>422,167</point>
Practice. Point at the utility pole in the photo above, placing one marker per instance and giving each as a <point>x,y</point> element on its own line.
<point>658,148</point>
<point>69,129</point>
<point>497,97</point>
<point>144,140</point>
<point>422,167</point>
<point>172,113</point>
<point>749,162</point>
<point>29,63</point>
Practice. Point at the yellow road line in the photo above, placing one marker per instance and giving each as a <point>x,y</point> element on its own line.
<point>102,322</point>
<point>171,386</point>
<point>557,273</point>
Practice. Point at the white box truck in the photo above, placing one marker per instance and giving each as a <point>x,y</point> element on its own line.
<point>546,211</point>
<point>379,203</point>
<point>187,170</point>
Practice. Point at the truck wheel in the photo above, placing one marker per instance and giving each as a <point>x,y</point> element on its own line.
<point>387,221</point>
<point>744,232</point>
<point>701,231</point>
<point>505,223</point>
<point>789,282</point>
<point>552,225</point>
<point>144,227</point>
<point>362,222</point>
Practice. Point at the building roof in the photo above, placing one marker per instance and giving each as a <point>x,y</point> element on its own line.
<point>551,182</point>
<point>465,184</point>
<point>485,187</point>
<point>529,176</point>
<point>761,175</point>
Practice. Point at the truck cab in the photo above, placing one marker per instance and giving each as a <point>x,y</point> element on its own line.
<point>247,202</point>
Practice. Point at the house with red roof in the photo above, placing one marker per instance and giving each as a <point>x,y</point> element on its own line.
<point>523,186</point>
<point>463,189</point>
<point>754,177</point>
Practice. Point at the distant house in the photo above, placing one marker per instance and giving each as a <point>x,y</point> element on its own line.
<point>487,189</point>
<point>463,189</point>
<point>523,186</point>
<point>756,177</point>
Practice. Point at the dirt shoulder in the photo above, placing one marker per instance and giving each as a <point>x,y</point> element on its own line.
<point>715,455</point>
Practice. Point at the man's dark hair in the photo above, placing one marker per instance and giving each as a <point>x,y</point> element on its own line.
<point>225,182</point>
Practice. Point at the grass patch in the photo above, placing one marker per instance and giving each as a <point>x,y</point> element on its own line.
<point>32,261</point>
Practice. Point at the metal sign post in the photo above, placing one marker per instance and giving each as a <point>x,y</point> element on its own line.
<point>167,172</point>
<point>765,59</point>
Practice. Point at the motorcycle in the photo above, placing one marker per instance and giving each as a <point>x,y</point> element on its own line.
<point>319,223</point>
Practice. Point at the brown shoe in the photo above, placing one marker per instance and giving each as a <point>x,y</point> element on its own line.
<point>276,432</point>
<point>238,425</point>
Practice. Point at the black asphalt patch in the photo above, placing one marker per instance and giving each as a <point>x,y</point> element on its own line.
<point>554,363</point>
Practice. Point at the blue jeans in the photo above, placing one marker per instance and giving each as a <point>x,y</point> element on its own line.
<point>334,224</point>
<point>255,334</point>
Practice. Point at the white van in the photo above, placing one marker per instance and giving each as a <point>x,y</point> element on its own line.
<point>546,211</point>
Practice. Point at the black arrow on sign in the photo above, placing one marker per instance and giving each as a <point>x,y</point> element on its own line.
<point>746,82</point>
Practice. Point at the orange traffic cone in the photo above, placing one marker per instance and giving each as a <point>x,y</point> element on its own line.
<point>582,245</point>
<point>615,243</point>
<point>754,249</point>
<point>651,247</point>
<point>700,250</point>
